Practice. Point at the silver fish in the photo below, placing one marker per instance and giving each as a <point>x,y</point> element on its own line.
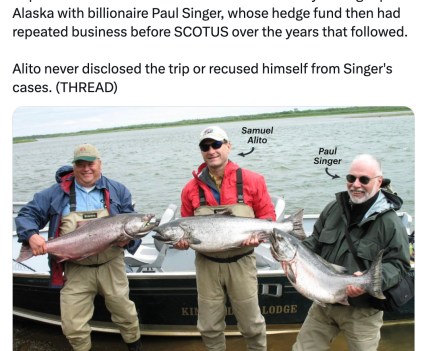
<point>317,279</point>
<point>94,236</point>
<point>221,232</point>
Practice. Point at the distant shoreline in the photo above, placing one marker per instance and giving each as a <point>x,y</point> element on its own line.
<point>395,110</point>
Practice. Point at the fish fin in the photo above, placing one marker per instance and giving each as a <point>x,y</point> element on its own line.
<point>82,223</point>
<point>56,258</point>
<point>195,241</point>
<point>159,237</point>
<point>78,259</point>
<point>61,259</point>
<point>284,265</point>
<point>343,301</point>
<point>261,235</point>
<point>291,275</point>
<point>25,253</point>
<point>297,220</point>
<point>338,269</point>
<point>375,271</point>
<point>333,267</point>
<point>322,304</point>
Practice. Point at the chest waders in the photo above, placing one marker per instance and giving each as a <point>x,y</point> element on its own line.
<point>102,273</point>
<point>76,219</point>
<point>229,273</point>
<point>240,209</point>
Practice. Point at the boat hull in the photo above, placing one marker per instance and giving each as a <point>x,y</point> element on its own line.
<point>167,303</point>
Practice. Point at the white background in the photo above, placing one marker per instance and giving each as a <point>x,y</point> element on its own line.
<point>404,87</point>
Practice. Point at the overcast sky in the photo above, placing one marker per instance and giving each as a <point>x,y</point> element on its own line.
<point>47,120</point>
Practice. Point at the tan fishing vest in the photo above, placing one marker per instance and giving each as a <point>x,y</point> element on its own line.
<point>74,220</point>
<point>239,210</point>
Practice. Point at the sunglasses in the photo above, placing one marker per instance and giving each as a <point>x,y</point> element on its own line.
<point>363,179</point>
<point>215,145</point>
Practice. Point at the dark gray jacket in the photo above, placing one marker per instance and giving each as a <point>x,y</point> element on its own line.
<point>380,229</point>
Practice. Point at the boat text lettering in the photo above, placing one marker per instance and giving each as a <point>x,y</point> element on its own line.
<point>266,310</point>
<point>279,309</point>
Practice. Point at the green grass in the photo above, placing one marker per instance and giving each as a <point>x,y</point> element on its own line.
<point>23,140</point>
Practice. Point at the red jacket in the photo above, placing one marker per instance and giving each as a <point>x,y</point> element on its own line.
<point>254,191</point>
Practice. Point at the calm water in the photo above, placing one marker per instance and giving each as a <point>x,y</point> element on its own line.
<point>156,164</point>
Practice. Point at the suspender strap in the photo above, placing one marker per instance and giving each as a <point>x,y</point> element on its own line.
<point>240,196</point>
<point>107,199</point>
<point>202,196</point>
<point>73,198</point>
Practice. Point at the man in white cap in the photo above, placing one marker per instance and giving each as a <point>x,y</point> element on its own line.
<point>81,194</point>
<point>217,185</point>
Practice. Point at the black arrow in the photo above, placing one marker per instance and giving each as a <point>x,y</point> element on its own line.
<point>248,153</point>
<point>332,176</point>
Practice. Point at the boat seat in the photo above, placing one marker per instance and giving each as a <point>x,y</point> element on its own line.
<point>407,221</point>
<point>264,258</point>
<point>279,205</point>
<point>168,215</point>
<point>146,258</point>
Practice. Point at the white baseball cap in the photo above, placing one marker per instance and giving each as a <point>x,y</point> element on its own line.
<point>215,133</point>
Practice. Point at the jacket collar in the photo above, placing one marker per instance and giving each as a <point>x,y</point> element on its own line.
<point>229,168</point>
<point>385,201</point>
<point>65,177</point>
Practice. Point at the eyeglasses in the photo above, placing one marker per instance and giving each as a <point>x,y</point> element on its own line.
<point>363,179</point>
<point>215,145</point>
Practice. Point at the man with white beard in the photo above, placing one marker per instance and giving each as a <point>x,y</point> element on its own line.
<point>350,232</point>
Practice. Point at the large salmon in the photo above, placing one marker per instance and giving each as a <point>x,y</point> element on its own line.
<point>317,279</point>
<point>95,236</point>
<point>220,232</point>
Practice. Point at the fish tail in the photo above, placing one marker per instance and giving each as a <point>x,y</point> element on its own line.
<point>297,220</point>
<point>375,271</point>
<point>25,253</point>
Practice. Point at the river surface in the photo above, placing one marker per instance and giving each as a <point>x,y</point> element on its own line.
<point>155,164</point>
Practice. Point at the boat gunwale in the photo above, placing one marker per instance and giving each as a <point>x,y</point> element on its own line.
<point>173,330</point>
<point>151,275</point>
